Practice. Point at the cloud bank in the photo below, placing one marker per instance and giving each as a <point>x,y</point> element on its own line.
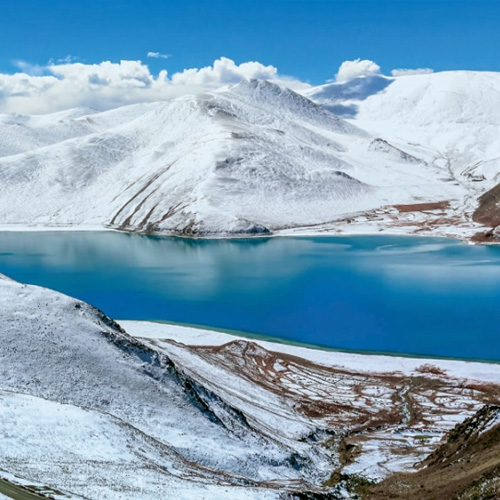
<point>65,83</point>
<point>57,86</point>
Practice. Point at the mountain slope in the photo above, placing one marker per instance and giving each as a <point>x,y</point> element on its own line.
<point>466,467</point>
<point>91,411</point>
<point>251,158</point>
<point>80,398</point>
<point>451,115</point>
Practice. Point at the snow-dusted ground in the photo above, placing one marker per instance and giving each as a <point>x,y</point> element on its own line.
<point>281,388</point>
<point>164,411</point>
<point>93,412</point>
<point>87,410</point>
<point>257,157</point>
<point>483,372</point>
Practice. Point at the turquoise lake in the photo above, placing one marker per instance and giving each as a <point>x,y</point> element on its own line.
<point>422,296</point>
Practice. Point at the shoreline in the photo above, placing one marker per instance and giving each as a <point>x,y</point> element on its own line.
<point>269,338</point>
<point>298,232</point>
<point>484,371</point>
<point>242,334</point>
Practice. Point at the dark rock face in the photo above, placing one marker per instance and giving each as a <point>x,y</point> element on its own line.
<point>258,229</point>
<point>488,211</point>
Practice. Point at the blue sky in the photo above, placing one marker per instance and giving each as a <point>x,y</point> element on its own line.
<point>307,39</point>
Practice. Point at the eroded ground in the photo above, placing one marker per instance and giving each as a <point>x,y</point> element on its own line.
<point>372,424</point>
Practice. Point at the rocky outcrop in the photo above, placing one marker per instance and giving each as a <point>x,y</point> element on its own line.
<point>488,211</point>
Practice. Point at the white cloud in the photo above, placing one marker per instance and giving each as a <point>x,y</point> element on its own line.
<point>224,71</point>
<point>28,68</point>
<point>406,72</point>
<point>158,55</point>
<point>123,75</point>
<point>353,69</point>
<point>64,60</point>
<point>44,89</point>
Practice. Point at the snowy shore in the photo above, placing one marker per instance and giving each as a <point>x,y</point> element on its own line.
<point>356,362</point>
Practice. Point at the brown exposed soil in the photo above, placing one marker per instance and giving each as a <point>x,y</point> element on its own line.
<point>356,402</point>
<point>466,467</point>
<point>378,420</point>
<point>485,237</point>
<point>488,213</point>
<point>146,185</point>
<point>423,207</point>
<point>368,405</point>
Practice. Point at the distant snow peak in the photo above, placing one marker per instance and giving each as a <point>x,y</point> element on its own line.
<point>341,98</point>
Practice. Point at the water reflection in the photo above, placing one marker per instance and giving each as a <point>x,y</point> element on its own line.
<point>414,295</point>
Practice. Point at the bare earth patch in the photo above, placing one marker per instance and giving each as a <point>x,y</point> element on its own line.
<point>423,207</point>
<point>371,424</point>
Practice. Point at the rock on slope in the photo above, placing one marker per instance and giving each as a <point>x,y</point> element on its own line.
<point>247,159</point>
<point>488,211</point>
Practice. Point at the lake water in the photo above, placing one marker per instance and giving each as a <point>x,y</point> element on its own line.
<point>394,294</point>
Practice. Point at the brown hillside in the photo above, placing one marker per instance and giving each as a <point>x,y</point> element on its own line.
<point>466,467</point>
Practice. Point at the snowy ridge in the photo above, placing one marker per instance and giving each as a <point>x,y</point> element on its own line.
<point>91,411</point>
<point>118,406</point>
<point>213,162</point>
<point>258,158</point>
<point>452,113</point>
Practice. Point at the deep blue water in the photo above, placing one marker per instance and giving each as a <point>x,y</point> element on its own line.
<point>396,294</point>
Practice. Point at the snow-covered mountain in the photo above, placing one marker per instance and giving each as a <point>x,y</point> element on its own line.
<point>256,157</point>
<point>454,113</point>
<point>81,399</point>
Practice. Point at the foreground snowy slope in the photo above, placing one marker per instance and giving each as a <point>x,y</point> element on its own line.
<point>88,411</point>
<point>79,398</point>
<point>250,158</point>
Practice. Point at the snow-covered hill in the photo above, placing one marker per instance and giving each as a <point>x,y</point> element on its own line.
<point>454,113</point>
<point>88,409</point>
<point>256,157</point>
